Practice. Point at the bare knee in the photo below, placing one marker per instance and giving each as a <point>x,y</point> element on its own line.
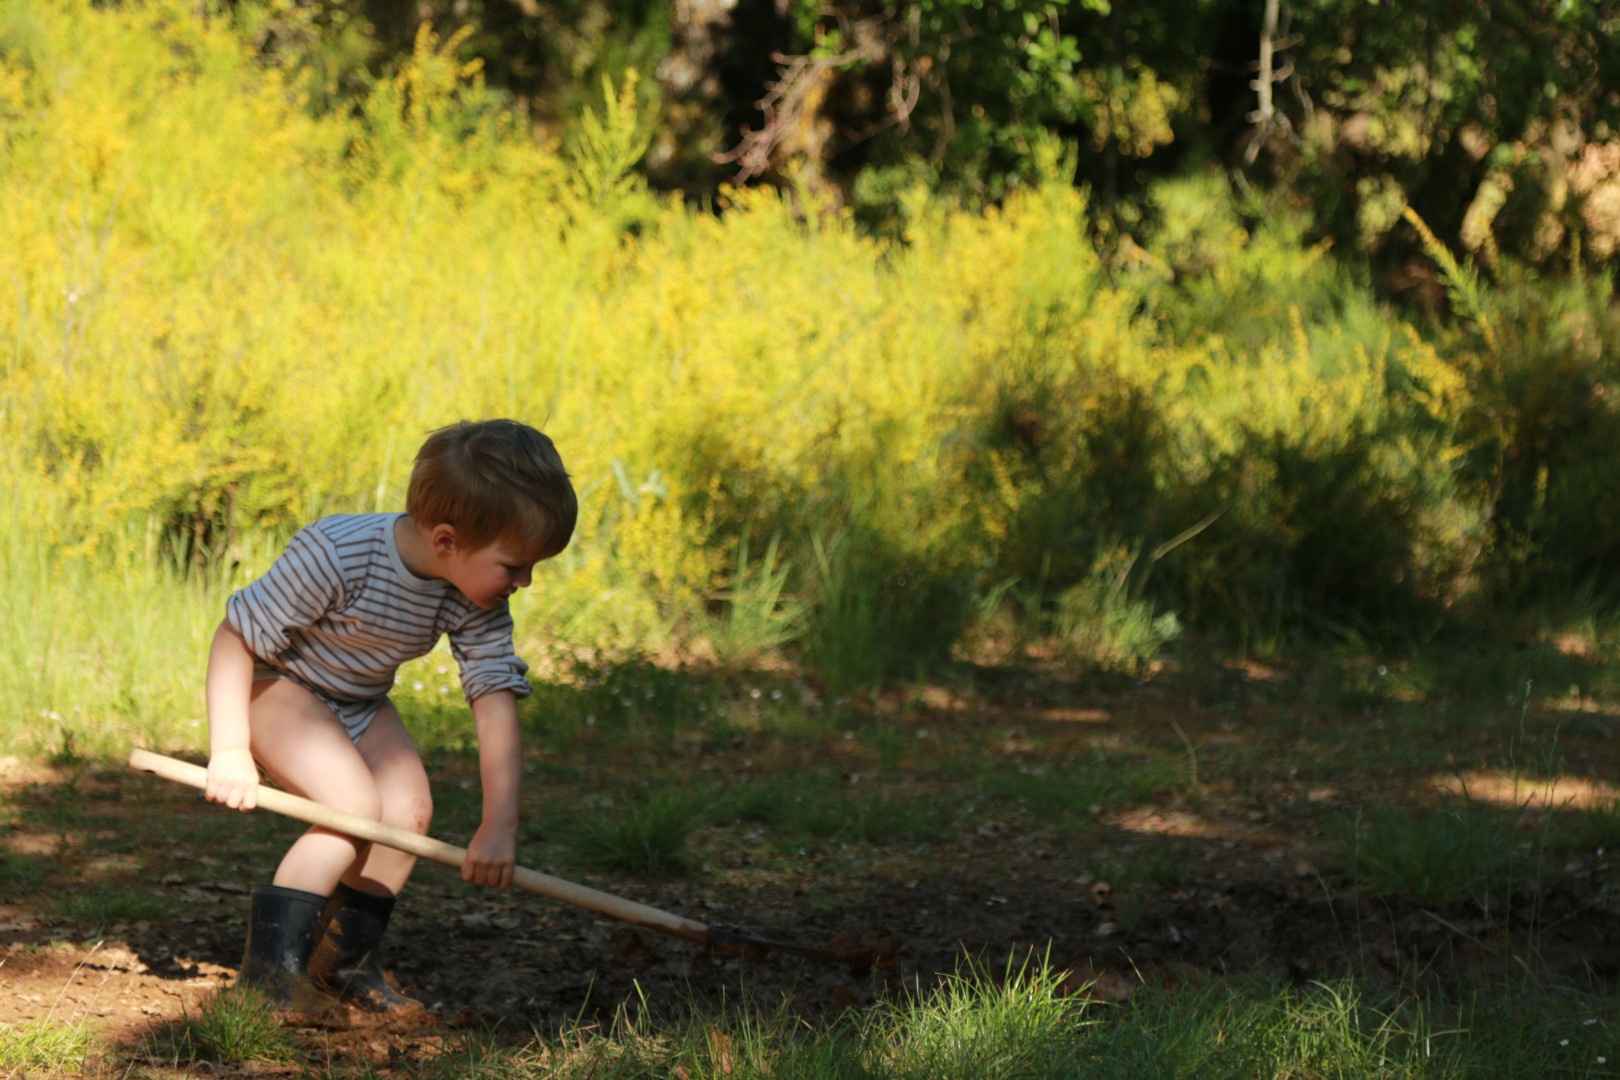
<point>411,808</point>
<point>415,813</point>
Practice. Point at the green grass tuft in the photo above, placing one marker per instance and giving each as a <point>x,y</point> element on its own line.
<point>1434,857</point>
<point>973,1023</point>
<point>646,836</point>
<point>234,1027</point>
<point>44,1047</point>
<point>759,617</point>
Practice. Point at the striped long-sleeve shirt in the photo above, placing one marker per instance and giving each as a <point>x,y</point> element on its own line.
<point>339,611</point>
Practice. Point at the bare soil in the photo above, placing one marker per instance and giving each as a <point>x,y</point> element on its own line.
<point>1244,884</point>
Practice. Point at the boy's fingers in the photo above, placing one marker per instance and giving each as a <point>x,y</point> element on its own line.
<point>235,794</point>
<point>236,797</point>
<point>490,876</point>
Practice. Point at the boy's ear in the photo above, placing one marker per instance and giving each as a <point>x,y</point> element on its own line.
<point>443,539</point>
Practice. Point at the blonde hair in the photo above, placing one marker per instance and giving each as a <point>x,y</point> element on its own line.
<point>494,480</point>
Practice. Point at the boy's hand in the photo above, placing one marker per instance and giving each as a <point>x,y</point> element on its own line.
<point>233,779</point>
<point>491,856</point>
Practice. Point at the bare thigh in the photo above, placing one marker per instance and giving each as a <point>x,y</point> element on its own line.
<point>305,749</point>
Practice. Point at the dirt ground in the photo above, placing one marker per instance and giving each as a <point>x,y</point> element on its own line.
<point>1243,889</point>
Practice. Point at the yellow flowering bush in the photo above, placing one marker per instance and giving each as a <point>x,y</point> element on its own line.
<point>223,314</point>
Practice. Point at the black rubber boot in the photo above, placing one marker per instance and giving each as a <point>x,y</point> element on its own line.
<point>282,924</point>
<point>348,959</point>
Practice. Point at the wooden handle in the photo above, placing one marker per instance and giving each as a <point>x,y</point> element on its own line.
<point>314,813</point>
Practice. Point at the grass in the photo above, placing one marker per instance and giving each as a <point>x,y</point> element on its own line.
<point>1018,1021</point>
<point>1138,877</point>
<point>1099,625</point>
<point>877,614</point>
<point>110,904</point>
<point>107,904</point>
<point>77,677</point>
<point>45,1047</point>
<point>972,1025</point>
<point>628,700</point>
<point>644,835</point>
<point>230,1028</point>
<point>21,872</point>
<point>1336,1029</point>
<point>1436,856</point>
<point>1015,1024</point>
<point>820,807</point>
<point>1577,828</point>
<point>1076,790</point>
<point>759,616</point>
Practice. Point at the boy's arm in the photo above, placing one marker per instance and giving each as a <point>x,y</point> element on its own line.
<point>233,778</point>
<point>493,851</point>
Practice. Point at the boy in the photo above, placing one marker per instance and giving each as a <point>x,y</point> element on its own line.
<point>298,677</point>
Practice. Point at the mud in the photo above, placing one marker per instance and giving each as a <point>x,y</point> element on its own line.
<point>859,952</point>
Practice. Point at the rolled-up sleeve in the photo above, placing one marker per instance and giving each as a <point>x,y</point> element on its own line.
<point>303,584</point>
<point>483,650</point>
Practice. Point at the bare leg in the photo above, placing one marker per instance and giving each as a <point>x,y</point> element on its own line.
<point>300,743</point>
<point>407,803</point>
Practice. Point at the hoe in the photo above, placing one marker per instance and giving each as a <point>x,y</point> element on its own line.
<point>720,939</point>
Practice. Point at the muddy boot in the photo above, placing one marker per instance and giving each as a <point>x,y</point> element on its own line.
<point>281,932</point>
<point>348,959</point>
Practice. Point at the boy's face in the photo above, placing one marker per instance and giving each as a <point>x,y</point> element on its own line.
<point>489,575</point>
